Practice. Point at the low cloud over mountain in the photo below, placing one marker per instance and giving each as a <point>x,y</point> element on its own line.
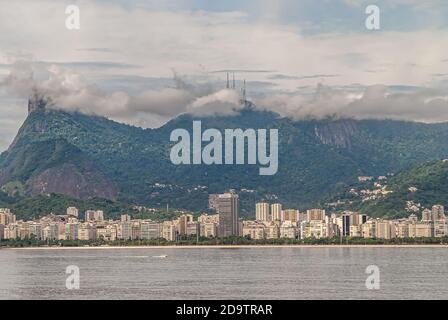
<point>70,91</point>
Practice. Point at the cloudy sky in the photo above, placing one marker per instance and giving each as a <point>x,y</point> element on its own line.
<point>144,62</point>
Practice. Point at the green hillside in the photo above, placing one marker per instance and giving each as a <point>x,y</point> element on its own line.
<point>424,185</point>
<point>430,180</point>
<point>316,158</point>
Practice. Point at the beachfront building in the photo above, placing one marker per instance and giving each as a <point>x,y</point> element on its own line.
<point>262,212</point>
<point>424,229</point>
<point>228,210</point>
<point>254,230</point>
<point>440,228</point>
<point>276,212</point>
<point>289,230</point>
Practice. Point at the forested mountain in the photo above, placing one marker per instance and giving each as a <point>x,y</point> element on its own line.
<point>84,156</point>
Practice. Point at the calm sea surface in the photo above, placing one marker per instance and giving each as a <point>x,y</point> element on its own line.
<point>266,273</point>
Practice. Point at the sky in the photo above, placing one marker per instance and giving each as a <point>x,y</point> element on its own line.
<point>145,62</point>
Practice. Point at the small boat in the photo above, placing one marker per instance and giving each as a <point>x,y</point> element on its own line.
<point>160,257</point>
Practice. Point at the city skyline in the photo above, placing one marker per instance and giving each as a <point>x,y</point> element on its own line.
<point>267,224</point>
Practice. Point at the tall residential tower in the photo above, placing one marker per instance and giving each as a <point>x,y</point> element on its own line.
<point>229,210</point>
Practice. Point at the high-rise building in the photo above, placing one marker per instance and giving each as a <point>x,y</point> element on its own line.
<point>71,231</point>
<point>72,211</point>
<point>89,215</point>
<point>403,229</point>
<point>272,230</point>
<point>289,230</point>
<point>426,215</point>
<point>315,215</point>
<point>6,216</point>
<point>368,229</point>
<point>136,230</point>
<point>424,230</point>
<point>99,215</point>
<point>61,231</point>
<point>208,229</point>
<point>254,230</point>
<point>51,232</point>
<point>208,225</point>
<point>151,230</point>
<point>11,231</point>
<point>313,229</point>
<point>192,228</point>
<point>86,232</point>
<point>229,210</point>
<point>262,211</point>
<point>205,218</point>
<point>384,230</point>
<point>125,230</point>
<point>106,232</point>
<point>36,230</point>
<point>94,215</point>
<point>169,230</point>
<point>440,228</point>
<point>358,219</point>
<point>213,202</point>
<point>412,229</point>
<point>345,230</point>
<point>290,215</point>
<point>355,231</point>
<point>350,219</point>
<point>184,220</point>
<point>276,212</point>
<point>438,213</point>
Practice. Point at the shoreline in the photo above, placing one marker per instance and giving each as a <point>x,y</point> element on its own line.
<point>379,246</point>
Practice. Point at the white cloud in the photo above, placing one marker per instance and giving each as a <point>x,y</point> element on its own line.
<point>150,43</point>
<point>223,102</point>
<point>376,102</point>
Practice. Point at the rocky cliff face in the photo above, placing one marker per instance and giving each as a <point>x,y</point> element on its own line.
<point>68,179</point>
<point>37,102</point>
<point>336,133</point>
<point>54,166</point>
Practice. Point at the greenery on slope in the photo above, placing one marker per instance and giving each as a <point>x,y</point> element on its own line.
<point>22,163</point>
<point>316,158</point>
<point>430,179</point>
<point>41,205</point>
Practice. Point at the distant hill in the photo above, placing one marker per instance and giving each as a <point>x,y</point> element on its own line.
<point>430,181</point>
<point>422,186</point>
<point>84,156</point>
<point>54,165</point>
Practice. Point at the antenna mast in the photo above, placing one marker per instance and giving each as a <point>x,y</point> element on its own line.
<point>244,91</point>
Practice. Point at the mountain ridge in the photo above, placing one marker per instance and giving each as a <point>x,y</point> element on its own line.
<point>316,157</point>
